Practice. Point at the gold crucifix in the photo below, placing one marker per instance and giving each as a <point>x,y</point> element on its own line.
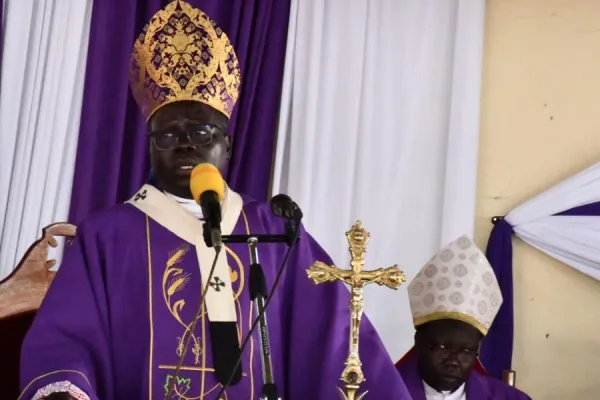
<point>356,278</point>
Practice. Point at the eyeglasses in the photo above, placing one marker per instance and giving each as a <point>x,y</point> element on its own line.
<point>197,136</point>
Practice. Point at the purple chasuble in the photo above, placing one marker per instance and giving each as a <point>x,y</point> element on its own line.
<point>113,319</point>
<point>478,386</point>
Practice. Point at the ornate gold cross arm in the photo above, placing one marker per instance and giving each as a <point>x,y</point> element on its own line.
<point>320,272</point>
<point>391,277</point>
<point>356,278</point>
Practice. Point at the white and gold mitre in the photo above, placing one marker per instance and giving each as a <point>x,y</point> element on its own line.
<point>457,283</point>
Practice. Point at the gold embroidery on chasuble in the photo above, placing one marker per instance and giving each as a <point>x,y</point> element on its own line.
<point>176,281</point>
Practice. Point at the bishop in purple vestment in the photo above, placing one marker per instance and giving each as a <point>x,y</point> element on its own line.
<point>116,320</point>
<point>454,299</point>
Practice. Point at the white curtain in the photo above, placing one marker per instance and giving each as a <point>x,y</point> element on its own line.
<point>574,240</point>
<point>379,122</point>
<point>43,68</point>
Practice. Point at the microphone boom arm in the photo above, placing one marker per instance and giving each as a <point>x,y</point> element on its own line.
<point>260,238</point>
<point>287,237</point>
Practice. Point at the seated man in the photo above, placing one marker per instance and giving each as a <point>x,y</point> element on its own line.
<point>118,318</point>
<point>454,299</point>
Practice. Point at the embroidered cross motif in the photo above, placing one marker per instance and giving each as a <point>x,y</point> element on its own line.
<point>217,284</point>
<point>140,196</point>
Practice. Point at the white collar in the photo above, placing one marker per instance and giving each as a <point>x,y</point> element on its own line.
<point>188,205</point>
<point>432,394</point>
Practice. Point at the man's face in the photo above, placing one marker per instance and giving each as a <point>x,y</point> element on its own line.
<point>447,352</point>
<point>183,135</point>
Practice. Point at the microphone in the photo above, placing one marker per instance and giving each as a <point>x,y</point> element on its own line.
<point>283,206</point>
<point>208,190</point>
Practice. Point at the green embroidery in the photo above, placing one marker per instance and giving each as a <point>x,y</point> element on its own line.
<point>181,387</point>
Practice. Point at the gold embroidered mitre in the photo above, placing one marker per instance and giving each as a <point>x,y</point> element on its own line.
<point>182,55</point>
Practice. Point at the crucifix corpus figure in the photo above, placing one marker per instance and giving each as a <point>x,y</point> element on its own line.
<point>356,278</point>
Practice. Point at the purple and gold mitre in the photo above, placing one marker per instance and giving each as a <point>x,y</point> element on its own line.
<point>182,55</point>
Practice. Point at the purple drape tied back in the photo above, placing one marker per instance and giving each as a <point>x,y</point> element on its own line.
<point>592,209</point>
<point>496,351</point>
<point>497,347</point>
<point>112,152</point>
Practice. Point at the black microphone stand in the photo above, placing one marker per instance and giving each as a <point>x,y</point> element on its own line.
<point>258,295</point>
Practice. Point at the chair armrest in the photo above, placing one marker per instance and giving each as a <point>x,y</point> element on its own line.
<point>509,377</point>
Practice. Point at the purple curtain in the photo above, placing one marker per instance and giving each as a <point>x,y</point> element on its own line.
<point>592,209</point>
<point>497,347</point>
<point>112,161</point>
<point>496,350</point>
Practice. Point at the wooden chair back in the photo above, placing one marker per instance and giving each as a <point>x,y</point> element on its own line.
<point>21,294</point>
<point>510,377</point>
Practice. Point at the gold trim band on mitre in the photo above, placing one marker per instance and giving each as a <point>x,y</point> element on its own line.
<point>183,99</point>
<point>458,316</point>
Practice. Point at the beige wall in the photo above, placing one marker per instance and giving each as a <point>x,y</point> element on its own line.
<point>540,123</point>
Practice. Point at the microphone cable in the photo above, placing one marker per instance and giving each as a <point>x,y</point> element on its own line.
<point>259,316</point>
<point>193,326</point>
